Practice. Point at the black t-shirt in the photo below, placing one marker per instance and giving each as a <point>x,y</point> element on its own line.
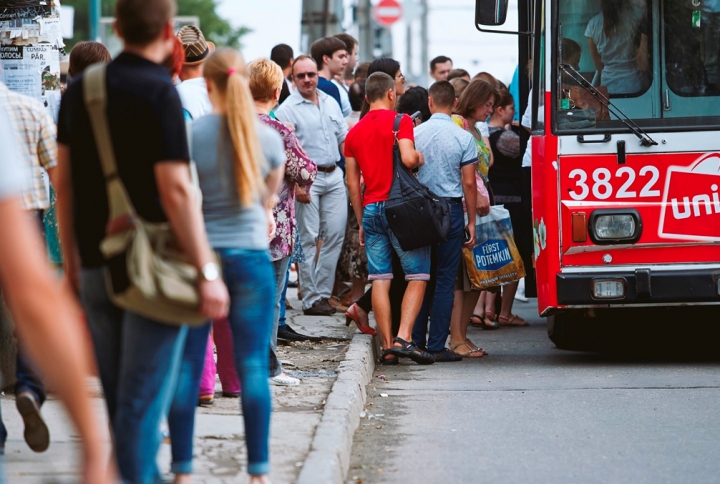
<point>146,126</point>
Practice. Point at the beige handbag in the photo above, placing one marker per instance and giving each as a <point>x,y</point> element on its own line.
<point>146,272</point>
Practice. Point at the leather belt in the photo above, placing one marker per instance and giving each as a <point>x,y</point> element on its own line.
<point>327,169</point>
<point>454,199</point>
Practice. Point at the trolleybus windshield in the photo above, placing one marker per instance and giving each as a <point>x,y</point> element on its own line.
<point>658,61</point>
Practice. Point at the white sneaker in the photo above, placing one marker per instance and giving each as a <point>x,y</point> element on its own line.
<point>520,294</point>
<point>284,380</point>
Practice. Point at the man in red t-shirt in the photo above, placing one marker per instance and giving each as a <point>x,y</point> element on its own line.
<point>369,150</point>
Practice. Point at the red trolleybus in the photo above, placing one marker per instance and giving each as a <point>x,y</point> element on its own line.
<point>625,104</point>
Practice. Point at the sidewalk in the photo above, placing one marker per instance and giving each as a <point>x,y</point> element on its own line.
<point>219,437</point>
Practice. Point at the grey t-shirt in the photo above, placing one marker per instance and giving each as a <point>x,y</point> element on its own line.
<point>13,176</point>
<point>228,223</point>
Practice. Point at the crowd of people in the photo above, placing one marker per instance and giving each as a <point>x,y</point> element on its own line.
<point>284,161</point>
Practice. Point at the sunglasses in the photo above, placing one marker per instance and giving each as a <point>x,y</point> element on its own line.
<point>310,75</point>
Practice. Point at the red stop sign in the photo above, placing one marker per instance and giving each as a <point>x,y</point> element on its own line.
<point>387,12</point>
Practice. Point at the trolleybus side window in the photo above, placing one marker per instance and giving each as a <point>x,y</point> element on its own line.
<point>692,44</point>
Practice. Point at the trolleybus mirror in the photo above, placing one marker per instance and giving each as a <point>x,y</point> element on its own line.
<point>491,13</point>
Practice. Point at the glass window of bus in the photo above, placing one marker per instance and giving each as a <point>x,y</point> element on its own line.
<point>692,43</point>
<point>609,43</point>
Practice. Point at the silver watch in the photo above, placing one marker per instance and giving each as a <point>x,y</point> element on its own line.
<point>210,272</point>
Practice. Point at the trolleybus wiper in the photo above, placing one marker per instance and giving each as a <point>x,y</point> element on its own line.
<point>645,139</point>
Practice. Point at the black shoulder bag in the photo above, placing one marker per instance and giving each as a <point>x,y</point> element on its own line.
<point>416,215</point>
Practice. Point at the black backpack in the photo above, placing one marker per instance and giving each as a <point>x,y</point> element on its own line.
<point>416,215</point>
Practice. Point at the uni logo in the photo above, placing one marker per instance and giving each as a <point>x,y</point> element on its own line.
<point>691,202</point>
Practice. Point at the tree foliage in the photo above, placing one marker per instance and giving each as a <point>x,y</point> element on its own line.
<point>215,28</point>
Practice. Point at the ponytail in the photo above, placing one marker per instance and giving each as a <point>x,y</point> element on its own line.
<point>226,69</point>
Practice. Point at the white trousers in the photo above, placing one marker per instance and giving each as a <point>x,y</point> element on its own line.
<point>324,218</point>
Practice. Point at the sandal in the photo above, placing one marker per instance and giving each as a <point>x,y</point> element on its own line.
<point>471,353</point>
<point>474,347</point>
<point>513,320</point>
<point>410,350</point>
<point>490,316</point>
<point>476,321</point>
<point>392,360</point>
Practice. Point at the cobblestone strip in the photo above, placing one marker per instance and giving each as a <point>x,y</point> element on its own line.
<point>329,458</point>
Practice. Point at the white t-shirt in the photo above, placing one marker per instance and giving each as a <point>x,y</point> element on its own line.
<point>527,123</point>
<point>620,71</point>
<point>482,126</point>
<point>344,98</point>
<point>194,97</point>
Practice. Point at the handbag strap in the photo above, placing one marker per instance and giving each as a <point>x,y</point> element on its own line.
<point>95,97</point>
<point>396,126</point>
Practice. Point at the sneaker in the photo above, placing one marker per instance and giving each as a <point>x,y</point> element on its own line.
<point>206,400</point>
<point>37,434</point>
<point>321,307</point>
<point>284,380</point>
<point>520,294</point>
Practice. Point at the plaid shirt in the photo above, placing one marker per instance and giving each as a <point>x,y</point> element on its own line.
<point>36,132</point>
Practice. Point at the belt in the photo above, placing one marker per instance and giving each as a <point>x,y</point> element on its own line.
<point>454,199</point>
<point>327,169</point>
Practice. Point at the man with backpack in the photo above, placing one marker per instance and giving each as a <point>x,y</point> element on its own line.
<point>369,151</point>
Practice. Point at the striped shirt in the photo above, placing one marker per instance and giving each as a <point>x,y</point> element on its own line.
<point>35,129</point>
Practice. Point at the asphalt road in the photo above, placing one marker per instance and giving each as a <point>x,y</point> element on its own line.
<point>645,410</point>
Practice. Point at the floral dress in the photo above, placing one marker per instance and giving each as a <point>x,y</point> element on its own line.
<point>301,171</point>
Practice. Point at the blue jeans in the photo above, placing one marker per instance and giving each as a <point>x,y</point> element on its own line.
<point>250,279</point>
<point>138,360</point>
<point>439,293</point>
<point>380,243</point>
<point>28,379</point>
<point>181,418</point>
<point>282,322</point>
<point>280,268</point>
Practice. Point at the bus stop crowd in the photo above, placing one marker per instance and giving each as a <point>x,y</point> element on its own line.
<point>294,164</point>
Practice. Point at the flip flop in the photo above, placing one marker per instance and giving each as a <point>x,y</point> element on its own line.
<point>513,320</point>
<point>476,324</point>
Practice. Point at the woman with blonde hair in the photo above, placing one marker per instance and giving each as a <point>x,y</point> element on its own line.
<point>266,80</point>
<point>238,184</point>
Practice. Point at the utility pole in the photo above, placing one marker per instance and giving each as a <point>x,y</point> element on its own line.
<point>94,18</point>
<point>424,61</point>
<point>363,15</point>
<point>320,18</point>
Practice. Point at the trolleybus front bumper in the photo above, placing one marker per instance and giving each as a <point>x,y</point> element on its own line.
<point>644,286</point>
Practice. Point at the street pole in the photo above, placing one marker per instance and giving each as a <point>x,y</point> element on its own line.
<point>95,20</point>
<point>319,19</point>
<point>408,50</point>
<point>424,61</point>
<point>365,30</point>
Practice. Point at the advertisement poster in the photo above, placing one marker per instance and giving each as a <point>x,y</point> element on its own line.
<point>33,70</point>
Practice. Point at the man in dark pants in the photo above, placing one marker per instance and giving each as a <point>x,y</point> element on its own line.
<point>449,171</point>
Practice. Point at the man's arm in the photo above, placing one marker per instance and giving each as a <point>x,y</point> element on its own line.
<point>470,192</point>
<point>352,172</point>
<point>411,158</point>
<point>178,200</point>
<point>60,176</point>
<point>49,324</point>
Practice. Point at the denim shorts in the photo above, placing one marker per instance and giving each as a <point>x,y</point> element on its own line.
<point>380,243</point>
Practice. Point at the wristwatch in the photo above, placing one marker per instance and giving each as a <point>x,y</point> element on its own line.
<point>210,272</point>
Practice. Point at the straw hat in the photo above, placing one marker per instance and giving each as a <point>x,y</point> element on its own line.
<point>196,47</point>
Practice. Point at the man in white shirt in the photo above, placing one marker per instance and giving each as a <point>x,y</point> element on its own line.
<point>322,210</point>
<point>192,89</point>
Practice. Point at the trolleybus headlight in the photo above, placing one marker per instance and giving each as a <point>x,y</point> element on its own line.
<point>608,288</point>
<point>615,226</point>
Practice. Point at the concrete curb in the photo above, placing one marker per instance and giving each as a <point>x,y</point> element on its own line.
<point>329,458</point>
